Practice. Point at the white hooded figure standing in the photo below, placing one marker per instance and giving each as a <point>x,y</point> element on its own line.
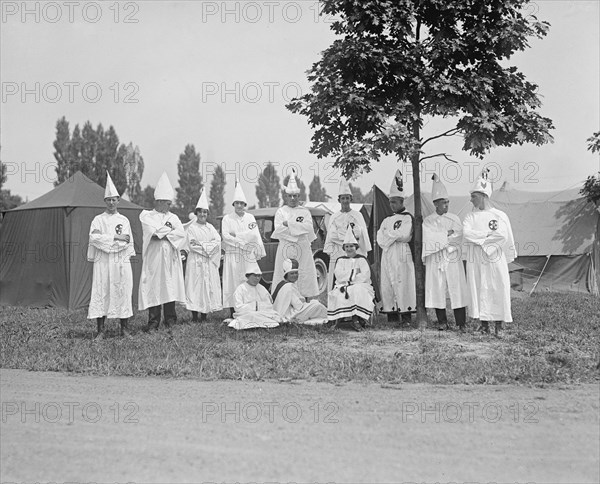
<point>398,290</point>
<point>295,231</point>
<point>110,249</point>
<point>161,282</point>
<point>442,256</point>
<point>338,225</point>
<point>202,281</point>
<point>490,247</point>
<point>241,242</point>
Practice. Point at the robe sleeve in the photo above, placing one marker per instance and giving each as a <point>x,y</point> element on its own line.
<point>176,236</point>
<point>230,241</point>
<point>363,236</point>
<point>283,301</point>
<point>362,271</point>
<point>241,303</point>
<point>98,240</point>
<point>332,235</point>
<point>282,232</point>
<point>471,235</point>
<point>301,223</point>
<point>434,239</point>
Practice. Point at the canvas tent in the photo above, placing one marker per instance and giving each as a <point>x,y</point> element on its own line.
<point>43,246</point>
<point>556,234</point>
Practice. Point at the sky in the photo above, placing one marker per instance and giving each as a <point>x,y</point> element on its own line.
<point>217,74</point>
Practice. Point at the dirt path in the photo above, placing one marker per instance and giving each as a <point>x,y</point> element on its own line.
<point>58,428</point>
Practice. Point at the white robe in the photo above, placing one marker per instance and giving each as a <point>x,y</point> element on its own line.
<point>442,255</point>
<point>202,281</point>
<point>398,289</point>
<point>253,308</point>
<point>245,246</point>
<point>490,247</point>
<point>336,232</point>
<point>112,279</point>
<point>294,243</point>
<point>353,293</point>
<point>162,273</point>
<point>292,306</point>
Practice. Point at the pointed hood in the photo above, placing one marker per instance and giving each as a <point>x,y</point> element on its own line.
<point>438,189</point>
<point>290,265</point>
<point>349,238</point>
<point>164,189</point>
<point>344,188</point>
<point>397,186</point>
<point>483,184</point>
<point>202,201</point>
<point>292,186</point>
<point>252,267</point>
<point>111,190</point>
<point>238,194</point>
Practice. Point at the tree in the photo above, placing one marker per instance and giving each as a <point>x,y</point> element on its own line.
<point>394,65</point>
<point>268,188</point>
<point>217,193</point>
<point>134,169</point>
<point>591,187</point>
<point>146,198</point>
<point>316,192</point>
<point>7,200</point>
<point>300,184</point>
<point>61,151</point>
<point>190,180</point>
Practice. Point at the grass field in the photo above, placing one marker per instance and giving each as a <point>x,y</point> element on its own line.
<point>554,339</point>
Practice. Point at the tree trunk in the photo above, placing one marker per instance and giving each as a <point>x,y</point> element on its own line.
<point>418,228</point>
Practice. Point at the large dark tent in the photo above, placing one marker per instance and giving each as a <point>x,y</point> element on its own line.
<point>43,246</point>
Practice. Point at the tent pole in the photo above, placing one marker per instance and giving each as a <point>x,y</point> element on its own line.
<point>541,274</point>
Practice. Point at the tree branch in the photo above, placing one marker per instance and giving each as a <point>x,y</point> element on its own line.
<point>438,154</point>
<point>450,132</point>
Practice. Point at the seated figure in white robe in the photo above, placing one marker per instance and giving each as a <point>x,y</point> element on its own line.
<point>351,298</point>
<point>289,302</point>
<point>253,306</point>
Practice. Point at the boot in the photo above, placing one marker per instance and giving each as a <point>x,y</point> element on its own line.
<point>194,316</point>
<point>393,317</point>
<point>202,317</point>
<point>101,333</point>
<point>460,315</point>
<point>497,329</point>
<point>355,325</point>
<point>484,327</point>
<point>231,311</point>
<point>124,329</point>
<point>442,319</point>
<point>405,320</point>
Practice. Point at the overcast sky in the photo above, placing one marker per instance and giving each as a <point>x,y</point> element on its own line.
<point>218,75</point>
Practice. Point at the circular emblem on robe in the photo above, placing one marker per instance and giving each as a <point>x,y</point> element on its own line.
<point>493,225</point>
<point>300,219</point>
<point>252,225</point>
<point>168,224</point>
<point>352,224</point>
<point>119,229</point>
<point>397,224</point>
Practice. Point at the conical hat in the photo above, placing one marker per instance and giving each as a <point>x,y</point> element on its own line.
<point>397,187</point>
<point>483,184</point>
<point>111,190</point>
<point>292,186</point>
<point>289,265</point>
<point>202,202</point>
<point>252,267</point>
<point>344,188</point>
<point>238,194</point>
<point>164,189</point>
<point>438,190</point>
<point>349,238</point>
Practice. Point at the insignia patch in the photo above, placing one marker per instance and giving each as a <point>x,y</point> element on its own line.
<point>352,224</point>
<point>168,224</point>
<point>493,225</point>
<point>484,184</point>
<point>300,219</point>
<point>119,229</point>
<point>252,225</point>
<point>397,224</point>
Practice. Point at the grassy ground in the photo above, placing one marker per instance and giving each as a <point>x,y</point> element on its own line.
<point>554,339</point>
